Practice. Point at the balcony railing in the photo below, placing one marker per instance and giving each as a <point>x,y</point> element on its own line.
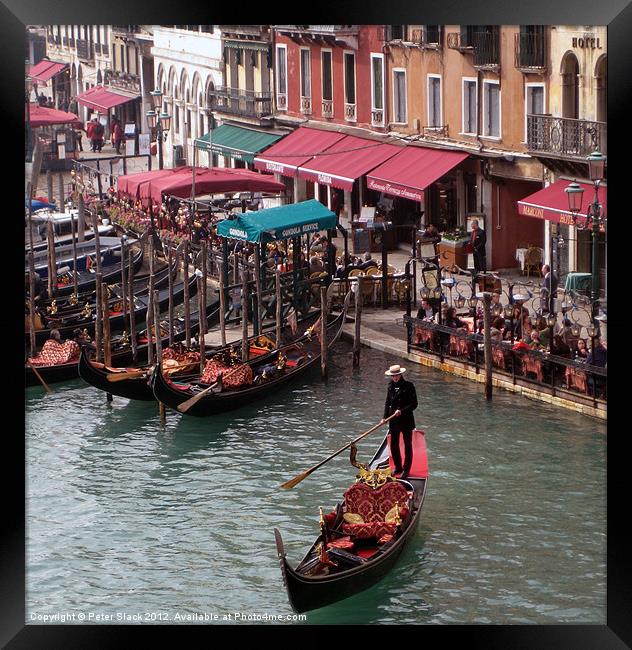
<point>327,107</point>
<point>486,49</point>
<point>428,37</point>
<point>455,41</point>
<point>377,117</point>
<point>281,101</point>
<point>530,52</point>
<point>240,102</point>
<point>350,112</point>
<point>84,49</point>
<point>247,30</point>
<point>435,131</point>
<point>105,49</point>
<point>565,137</point>
<point>306,105</point>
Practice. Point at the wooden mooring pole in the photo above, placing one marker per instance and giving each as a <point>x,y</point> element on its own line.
<point>132,305</point>
<point>279,306</point>
<point>49,186</point>
<point>105,320</point>
<point>169,263</point>
<point>323,332</point>
<point>52,264</point>
<point>201,323</point>
<point>187,298</point>
<point>358,318</point>
<point>156,305</point>
<point>222,304</point>
<point>244,313</point>
<point>487,299</point>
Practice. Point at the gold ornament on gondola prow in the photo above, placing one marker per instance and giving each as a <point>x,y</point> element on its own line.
<point>87,310</point>
<point>124,340</point>
<point>373,478</point>
<point>233,356</point>
<point>281,361</point>
<point>52,308</point>
<point>73,300</point>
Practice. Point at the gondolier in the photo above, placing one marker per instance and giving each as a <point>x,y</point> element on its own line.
<point>401,400</point>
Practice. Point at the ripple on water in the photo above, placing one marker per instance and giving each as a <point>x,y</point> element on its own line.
<point>128,515</point>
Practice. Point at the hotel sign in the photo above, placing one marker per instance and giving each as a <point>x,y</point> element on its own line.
<point>549,214</point>
<point>586,43</point>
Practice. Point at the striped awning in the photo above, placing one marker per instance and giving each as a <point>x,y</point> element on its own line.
<point>236,142</point>
<point>247,45</point>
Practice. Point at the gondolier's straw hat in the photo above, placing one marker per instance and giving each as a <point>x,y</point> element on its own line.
<point>395,370</point>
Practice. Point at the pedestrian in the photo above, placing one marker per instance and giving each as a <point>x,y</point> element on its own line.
<point>78,137</point>
<point>117,135</point>
<point>99,132</point>
<point>41,99</point>
<point>401,401</point>
<point>548,292</point>
<point>478,239</point>
<point>49,103</point>
<point>64,105</point>
<point>91,132</point>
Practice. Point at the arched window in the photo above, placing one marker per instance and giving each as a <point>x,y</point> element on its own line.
<point>601,86</point>
<point>570,86</point>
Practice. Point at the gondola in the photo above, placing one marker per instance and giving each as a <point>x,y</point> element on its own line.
<point>121,351</point>
<point>302,355</point>
<point>67,324</point>
<point>138,388</point>
<point>357,555</point>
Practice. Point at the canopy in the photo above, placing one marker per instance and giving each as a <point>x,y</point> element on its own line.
<point>295,150</point>
<point>236,142</point>
<point>210,181</point>
<point>45,70</point>
<point>409,172</point>
<point>278,223</point>
<point>551,203</point>
<point>131,183</point>
<point>102,99</point>
<point>41,116</point>
<point>346,160</point>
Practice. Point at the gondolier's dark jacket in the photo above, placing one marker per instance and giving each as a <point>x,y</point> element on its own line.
<point>403,396</point>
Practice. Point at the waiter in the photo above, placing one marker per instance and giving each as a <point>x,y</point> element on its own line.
<point>478,239</point>
<point>401,401</point>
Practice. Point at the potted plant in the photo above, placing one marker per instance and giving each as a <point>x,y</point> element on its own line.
<point>452,247</point>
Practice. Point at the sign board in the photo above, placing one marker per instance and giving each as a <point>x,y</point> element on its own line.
<point>143,144</point>
<point>367,213</point>
<point>130,129</point>
<point>103,119</point>
<point>61,137</point>
<point>130,147</point>
<point>61,151</point>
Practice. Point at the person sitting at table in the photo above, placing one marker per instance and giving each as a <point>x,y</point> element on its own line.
<point>560,348</point>
<point>598,356</point>
<point>452,320</point>
<point>425,312</point>
<point>497,329</point>
<point>566,333</point>
<point>543,329</point>
<point>316,264</point>
<point>581,353</point>
<point>367,263</point>
<point>534,340</point>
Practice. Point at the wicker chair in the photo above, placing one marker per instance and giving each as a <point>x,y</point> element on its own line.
<point>533,261</point>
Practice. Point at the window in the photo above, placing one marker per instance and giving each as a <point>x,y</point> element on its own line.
<point>399,96</point>
<point>431,34</point>
<point>306,77</point>
<point>350,78</point>
<point>396,33</point>
<point>470,106</point>
<point>533,103</point>
<point>434,101</point>
<point>327,75</point>
<point>491,109</point>
<point>281,53</point>
<point>377,81</point>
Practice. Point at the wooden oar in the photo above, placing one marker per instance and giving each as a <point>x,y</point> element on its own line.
<point>185,406</point>
<point>297,479</point>
<point>129,374</point>
<point>39,377</point>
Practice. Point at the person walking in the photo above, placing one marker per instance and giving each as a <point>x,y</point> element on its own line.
<point>548,291</point>
<point>99,133</point>
<point>117,135</point>
<point>401,401</point>
<point>478,239</point>
<point>91,132</point>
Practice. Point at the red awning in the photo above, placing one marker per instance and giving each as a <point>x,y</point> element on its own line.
<point>130,184</point>
<point>346,160</point>
<point>209,181</point>
<point>296,149</point>
<point>42,116</point>
<point>551,203</point>
<point>45,70</point>
<point>102,99</point>
<point>410,172</point>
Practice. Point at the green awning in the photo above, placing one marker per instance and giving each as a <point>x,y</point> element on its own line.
<point>247,45</point>
<point>278,223</point>
<point>236,142</point>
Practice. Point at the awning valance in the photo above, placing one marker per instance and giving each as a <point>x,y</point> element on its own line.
<point>551,203</point>
<point>236,142</point>
<point>42,116</point>
<point>103,99</point>
<point>278,223</point>
<point>247,45</point>
<point>295,150</point>
<point>45,70</point>
<point>410,172</point>
<point>346,160</point>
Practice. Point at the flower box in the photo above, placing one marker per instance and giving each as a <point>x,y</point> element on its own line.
<point>453,252</point>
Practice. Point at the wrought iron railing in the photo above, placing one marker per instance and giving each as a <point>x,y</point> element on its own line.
<point>306,105</point>
<point>530,51</point>
<point>281,101</point>
<point>552,374</point>
<point>84,49</point>
<point>486,49</point>
<point>328,107</point>
<point>377,117</point>
<point>427,37</point>
<point>350,112</point>
<point>240,102</point>
<point>565,136</point>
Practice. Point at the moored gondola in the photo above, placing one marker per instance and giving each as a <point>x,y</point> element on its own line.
<point>362,538</point>
<point>260,378</point>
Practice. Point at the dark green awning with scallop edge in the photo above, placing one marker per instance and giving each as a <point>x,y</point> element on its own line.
<point>283,222</point>
<point>236,142</point>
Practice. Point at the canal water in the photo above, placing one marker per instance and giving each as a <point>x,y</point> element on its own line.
<point>130,520</point>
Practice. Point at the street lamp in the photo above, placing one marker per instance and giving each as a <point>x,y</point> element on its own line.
<point>29,88</point>
<point>595,216</point>
<point>159,121</point>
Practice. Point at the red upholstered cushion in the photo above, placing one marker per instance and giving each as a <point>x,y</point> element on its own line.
<point>344,543</point>
<point>372,505</point>
<point>373,529</point>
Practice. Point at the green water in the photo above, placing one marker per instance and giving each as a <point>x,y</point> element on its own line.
<point>130,521</point>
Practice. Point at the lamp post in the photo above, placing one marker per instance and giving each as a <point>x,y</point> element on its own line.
<point>29,87</point>
<point>595,217</point>
<point>550,321</point>
<point>160,121</point>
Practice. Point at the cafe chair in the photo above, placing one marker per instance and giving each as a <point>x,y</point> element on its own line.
<point>533,261</point>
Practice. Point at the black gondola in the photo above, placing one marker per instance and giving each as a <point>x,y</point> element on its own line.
<point>302,355</point>
<point>138,387</point>
<point>68,324</point>
<point>340,564</point>
<point>121,351</point>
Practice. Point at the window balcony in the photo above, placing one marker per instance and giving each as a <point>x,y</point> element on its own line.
<point>350,113</point>
<point>487,50</point>
<point>530,52</point>
<point>428,37</point>
<point>246,103</point>
<point>84,50</point>
<point>377,117</point>
<point>306,105</point>
<point>281,101</point>
<point>327,107</point>
<point>564,137</point>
